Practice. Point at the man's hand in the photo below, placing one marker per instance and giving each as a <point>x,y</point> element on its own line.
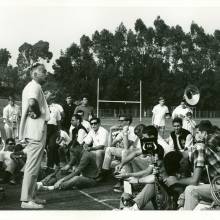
<point>65,168</point>
<point>171,180</point>
<point>86,147</point>
<point>132,180</point>
<point>58,183</point>
<point>121,175</point>
<point>118,168</point>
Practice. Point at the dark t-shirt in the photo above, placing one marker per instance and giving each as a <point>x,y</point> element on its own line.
<point>68,113</point>
<point>88,110</point>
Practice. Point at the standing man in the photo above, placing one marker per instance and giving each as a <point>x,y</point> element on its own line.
<point>160,111</point>
<point>181,110</point>
<point>68,108</point>
<point>11,118</point>
<point>35,114</point>
<point>88,110</point>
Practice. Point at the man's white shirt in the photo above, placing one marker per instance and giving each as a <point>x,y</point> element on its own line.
<point>159,114</point>
<point>11,113</point>
<point>97,138</point>
<point>179,111</point>
<point>55,115</point>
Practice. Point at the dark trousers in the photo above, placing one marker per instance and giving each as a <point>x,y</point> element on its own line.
<point>52,146</point>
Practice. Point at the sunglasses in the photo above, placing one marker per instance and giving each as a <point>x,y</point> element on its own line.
<point>94,123</point>
<point>10,143</point>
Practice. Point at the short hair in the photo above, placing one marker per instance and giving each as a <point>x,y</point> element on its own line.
<point>84,96</point>
<point>161,98</point>
<point>35,65</point>
<point>11,98</point>
<point>78,117</point>
<point>126,118</point>
<point>95,118</point>
<point>205,125</point>
<point>80,112</point>
<point>10,139</point>
<point>140,128</point>
<point>178,120</point>
<point>68,96</point>
<point>172,162</point>
<point>150,130</point>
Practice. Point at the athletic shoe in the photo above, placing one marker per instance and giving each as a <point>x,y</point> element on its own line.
<point>50,188</point>
<point>132,208</point>
<point>31,205</point>
<point>40,201</point>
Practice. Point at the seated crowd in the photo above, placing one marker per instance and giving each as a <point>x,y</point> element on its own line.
<point>81,153</point>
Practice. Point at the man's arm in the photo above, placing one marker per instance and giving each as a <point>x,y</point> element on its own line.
<point>138,174</point>
<point>193,180</point>
<point>189,141</point>
<point>99,147</point>
<point>130,156</point>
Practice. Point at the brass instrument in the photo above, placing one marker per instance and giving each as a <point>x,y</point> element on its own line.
<point>191,95</point>
<point>215,188</point>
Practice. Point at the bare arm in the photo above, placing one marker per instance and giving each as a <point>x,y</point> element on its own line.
<point>194,180</point>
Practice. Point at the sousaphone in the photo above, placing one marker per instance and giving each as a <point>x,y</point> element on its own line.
<point>191,95</point>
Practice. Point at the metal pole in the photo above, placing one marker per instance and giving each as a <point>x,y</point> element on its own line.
<point>140,100</point>
<point>97,98</point>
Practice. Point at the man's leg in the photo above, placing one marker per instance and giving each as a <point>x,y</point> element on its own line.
<point>35,151</point>
<point>8,131</point>
<point>145,196</point>
<point>139,164</point>
<point>109,152</point>
<point>79,182</point>
<point>99,154</point>
<point>195,194</point>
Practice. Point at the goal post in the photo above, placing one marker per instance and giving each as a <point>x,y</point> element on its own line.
<point>119,101</point>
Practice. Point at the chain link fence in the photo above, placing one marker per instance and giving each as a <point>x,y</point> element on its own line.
<point>114,113</point>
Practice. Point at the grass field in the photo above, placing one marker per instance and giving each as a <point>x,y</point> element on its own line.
<point>101,197</point>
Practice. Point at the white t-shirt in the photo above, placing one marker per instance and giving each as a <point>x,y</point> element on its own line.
<point>12,113</point>
<point>180,112</point>
<point>97,138</point>
<point>159,114</point>
<point>59,108</point>
<point>54,115</point>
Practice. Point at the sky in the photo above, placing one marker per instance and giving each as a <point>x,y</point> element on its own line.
<point>62,22</point>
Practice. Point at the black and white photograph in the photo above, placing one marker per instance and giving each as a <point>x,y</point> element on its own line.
<point>109,106</point>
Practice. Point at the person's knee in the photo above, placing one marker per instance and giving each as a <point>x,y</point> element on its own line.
<point>108,150</point>
<point>100,153</point>
<point>191,190</point>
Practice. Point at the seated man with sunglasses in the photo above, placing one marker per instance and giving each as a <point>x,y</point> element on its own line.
<point>7,164</point>
<point>96,141</point>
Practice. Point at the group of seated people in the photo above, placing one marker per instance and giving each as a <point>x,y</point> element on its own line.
<point>137,156</point>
